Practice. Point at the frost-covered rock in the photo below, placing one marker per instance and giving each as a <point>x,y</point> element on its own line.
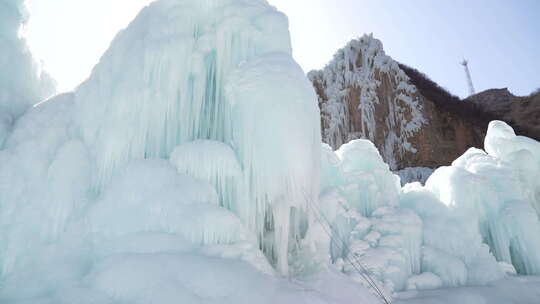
<point>364,93</point>
<point>353,105</point>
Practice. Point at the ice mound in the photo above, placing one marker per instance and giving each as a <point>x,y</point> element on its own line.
<point>369,182</point>
<point>219,71</point>
<point>520,152</point>
<point>471,224</point>
<point>360,208</point>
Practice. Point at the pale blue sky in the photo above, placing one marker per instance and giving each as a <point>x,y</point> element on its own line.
<point>501,38</point>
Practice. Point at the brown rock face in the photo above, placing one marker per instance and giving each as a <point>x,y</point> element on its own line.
<point>364,93</point>
<point>522,113</point>
<point>445,138</point>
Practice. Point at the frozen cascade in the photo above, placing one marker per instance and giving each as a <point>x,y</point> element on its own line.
<point>281,163</point>
<point>189,168</point>
<point>22,79</point>
<point>162,81</point>
<point>214,70</point>
<point>214,162</point>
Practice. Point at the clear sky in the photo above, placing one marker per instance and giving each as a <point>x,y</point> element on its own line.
<point>500,38</point>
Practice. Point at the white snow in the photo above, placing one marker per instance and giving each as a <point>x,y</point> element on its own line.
<point>424,281</point>
<point>510,290</point>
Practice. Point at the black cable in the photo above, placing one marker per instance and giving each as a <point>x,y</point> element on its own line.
<point>363,272</point>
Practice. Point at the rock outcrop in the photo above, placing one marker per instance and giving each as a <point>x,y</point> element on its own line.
<point>363,93</point>
<point>522,113</point>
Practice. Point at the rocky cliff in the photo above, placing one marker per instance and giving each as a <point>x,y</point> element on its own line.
<point>522,113</point>
<point>363,93</point>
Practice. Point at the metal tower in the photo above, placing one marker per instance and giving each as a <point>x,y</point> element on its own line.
<point>465,63</point>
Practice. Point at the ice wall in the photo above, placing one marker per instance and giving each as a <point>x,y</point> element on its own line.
<point>162,82</point>
<point>219,71</point>
<point>22,81</point>
<point>193,144</point>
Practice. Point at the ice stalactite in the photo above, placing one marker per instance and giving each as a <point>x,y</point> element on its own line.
<point>214,162</point>
<point>162,81</point>
<point>279,150</point>
<point>220,71</point>
<point>190,163</point>
<point>23,82</point>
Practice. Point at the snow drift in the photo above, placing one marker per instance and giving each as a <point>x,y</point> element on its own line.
<point>188,168</point>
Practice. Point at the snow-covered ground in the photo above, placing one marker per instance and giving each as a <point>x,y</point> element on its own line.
<point>513,290</point>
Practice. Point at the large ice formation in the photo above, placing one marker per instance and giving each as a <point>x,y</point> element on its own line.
<point>22,81</point>
<point>194,146</point>
<point>473,222</point>
<point>210,70</point>
<point>188,169</point>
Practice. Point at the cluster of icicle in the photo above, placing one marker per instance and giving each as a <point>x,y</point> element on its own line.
<point>22,81</point>
<point>188,169</point>
<point>209,84</point>
<point>472,223</point>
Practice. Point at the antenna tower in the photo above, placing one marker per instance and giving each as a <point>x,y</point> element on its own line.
<point>465,64</point>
